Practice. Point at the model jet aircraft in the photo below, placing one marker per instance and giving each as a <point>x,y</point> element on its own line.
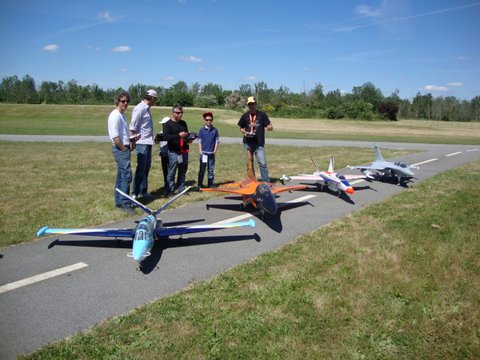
<point>147,230</point>
<point>259,194</point>
<point>380,168</point>
<point>331,179</point>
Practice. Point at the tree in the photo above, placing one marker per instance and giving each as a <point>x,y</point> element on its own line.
<point>7,88</point>
<point>235,101</point>
<point>205,101</point>
<point>475,110</point>
<point>422,106</point>
<point>214,90</point>
<point>333,98</point>
<point>245,90</point>
<point>316,96</point>
<point>389,109</point>
<point>368,93</point>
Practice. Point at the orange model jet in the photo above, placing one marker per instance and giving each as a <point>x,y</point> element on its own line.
<point>259,194</point>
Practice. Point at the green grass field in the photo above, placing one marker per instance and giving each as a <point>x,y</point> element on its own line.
<point>396,280</point>
<point>91,120</point>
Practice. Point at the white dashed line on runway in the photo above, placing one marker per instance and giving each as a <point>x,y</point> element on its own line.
<point>40,277</point>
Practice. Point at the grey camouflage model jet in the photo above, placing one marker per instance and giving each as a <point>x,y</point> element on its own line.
<point>381,169</point>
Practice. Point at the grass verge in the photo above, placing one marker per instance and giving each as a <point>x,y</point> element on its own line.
<point>396,280</point>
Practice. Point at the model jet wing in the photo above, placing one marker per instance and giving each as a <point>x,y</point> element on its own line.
<point>252,187</point>
<point>129,233</point>
<point>354,177</point>
<point>279,188</point>
<point>125,233</point>
<point>165,231</point>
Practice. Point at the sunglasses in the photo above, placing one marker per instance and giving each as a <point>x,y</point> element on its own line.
<point>178,112</point>
<point>124,101</point>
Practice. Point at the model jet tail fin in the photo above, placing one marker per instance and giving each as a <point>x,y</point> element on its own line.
<point>331,165</point>
<point>378,154</point>
<point>169,202</point>
<point>146,208</point>
<point>139,204</point>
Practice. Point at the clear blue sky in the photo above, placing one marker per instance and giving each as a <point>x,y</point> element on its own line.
<point>410,45</point>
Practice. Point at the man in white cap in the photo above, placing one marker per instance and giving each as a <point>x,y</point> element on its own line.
<point>252,125</point>
<point>141,129</point>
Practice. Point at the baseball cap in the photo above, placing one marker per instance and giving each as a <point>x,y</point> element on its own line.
<point>251,99</point>
<point>207,115</point>
<point>152,93</point>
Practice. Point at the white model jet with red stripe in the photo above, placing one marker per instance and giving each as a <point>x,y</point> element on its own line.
<point>334,181</point>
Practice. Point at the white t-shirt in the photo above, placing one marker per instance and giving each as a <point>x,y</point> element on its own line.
<point>117,127</point>
<point>142,123</point>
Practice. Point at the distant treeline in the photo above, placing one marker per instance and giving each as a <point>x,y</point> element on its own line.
<point>364,102</point>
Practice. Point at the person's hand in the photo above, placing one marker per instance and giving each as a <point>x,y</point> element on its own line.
<point>183,134</point>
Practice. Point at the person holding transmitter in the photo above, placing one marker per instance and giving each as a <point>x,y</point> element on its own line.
<point>175,132</point>
<point>252,125</point>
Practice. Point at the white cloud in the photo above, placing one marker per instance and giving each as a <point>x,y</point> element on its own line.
<point>366,10</point>
<point>122,48</point>
<point>105,15</point>
<point>435,88</point>
<point>123,70</point>
<point>455,83</point>
<point>252,77</point>
<point>168,78</point>
<point>51,48</point>
<point>189,59</point>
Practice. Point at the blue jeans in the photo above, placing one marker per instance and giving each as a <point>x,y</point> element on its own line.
<point>173,165</point>
<point>144,162</point>
<point>210,165</point>
<point>259,152</point>
<point>124,175</point>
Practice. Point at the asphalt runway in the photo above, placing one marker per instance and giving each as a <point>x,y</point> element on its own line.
<point>55,287</point>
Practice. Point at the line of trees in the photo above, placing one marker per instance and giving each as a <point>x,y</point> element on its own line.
<point>364,102</point>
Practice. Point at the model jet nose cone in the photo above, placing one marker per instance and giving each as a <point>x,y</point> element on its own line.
<point>349,190</point>
<point>265,199</point>
<point>269,204</point>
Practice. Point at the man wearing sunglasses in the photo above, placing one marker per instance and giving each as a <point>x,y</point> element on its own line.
<point>175,132</point>
<point>252,125</point>
<point>118,134</point>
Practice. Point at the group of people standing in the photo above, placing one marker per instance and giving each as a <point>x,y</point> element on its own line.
<point>174,141</point>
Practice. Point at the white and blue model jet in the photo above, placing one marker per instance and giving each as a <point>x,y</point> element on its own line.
<point>147,230</point>
<point>380,168</point>
<point>330,179</point>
